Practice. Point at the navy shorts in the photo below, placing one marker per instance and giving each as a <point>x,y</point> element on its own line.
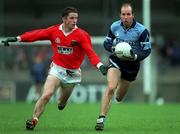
<point>129,69</point>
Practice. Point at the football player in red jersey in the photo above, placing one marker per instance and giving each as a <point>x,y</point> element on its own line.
<point>70,44</point>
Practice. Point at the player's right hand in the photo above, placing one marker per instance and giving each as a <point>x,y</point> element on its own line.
<point>113,49</point>
<point>103,69</point>
<point>9,39</point>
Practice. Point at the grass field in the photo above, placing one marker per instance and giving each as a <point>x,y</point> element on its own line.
<point>123,118</point>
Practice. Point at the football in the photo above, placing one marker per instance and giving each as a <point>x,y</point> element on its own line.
<point>122,49</point>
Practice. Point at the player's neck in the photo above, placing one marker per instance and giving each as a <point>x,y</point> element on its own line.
<point>127,26</point>
<point>66,29</point>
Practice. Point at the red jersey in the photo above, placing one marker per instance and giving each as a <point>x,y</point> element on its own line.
<point>69,49</point>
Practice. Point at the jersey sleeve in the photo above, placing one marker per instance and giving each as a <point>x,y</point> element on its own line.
<point>35,35</point>
<point>88,49</point>
<point>108,42</point>
<point>145,46</point>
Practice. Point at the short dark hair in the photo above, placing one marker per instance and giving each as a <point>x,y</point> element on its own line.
<point>125,5</point>
<point>68,10</point>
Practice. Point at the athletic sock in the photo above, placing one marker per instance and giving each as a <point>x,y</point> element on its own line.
<point>102,116</point>
<point>35,121</point>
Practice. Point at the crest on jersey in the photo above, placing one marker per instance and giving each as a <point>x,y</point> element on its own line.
<point>57,40</point>
<point>117,34</point>
<point>74,43</point>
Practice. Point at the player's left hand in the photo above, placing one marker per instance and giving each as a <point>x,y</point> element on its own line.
<point>10,39</point>
<point>103,69</point>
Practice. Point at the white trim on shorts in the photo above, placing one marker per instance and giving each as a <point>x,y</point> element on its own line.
<point>114,64</point>
<point>66,76</point>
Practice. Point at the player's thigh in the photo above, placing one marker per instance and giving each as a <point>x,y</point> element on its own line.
<point>51,84</point>
<point>113,77</point>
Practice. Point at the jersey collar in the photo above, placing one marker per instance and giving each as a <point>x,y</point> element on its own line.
<point>66,34</point>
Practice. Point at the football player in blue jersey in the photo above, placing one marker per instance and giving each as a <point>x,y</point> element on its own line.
<point>123,70</point>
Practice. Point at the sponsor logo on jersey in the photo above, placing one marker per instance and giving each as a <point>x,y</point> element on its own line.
<point>130,42</point>
<point>65,50</point>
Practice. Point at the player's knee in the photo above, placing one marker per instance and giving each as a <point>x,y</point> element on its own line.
<point>46,97</point>
<point>111,89</point>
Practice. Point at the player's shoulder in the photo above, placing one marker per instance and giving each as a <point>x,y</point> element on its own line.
<point>53,27</point>
<point>140,27</point>
<point>82,32</point>
<point>115,24</point>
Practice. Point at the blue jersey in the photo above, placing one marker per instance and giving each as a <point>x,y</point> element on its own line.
<point>137,36</point>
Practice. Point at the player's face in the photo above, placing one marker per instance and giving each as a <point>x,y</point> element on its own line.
<point>71,20</point>
<point>126,16</point>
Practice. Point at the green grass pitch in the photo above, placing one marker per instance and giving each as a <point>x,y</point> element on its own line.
<point>123,118</point>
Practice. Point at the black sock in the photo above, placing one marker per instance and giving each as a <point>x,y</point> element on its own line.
<point>102,116</point>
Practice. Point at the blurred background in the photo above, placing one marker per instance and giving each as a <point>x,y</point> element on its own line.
<point>20,64</point>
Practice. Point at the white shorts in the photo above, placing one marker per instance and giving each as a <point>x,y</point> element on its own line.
<point>66,76</point>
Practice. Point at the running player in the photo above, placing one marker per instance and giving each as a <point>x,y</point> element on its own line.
<point>122,72</point>
<point>70,44</point>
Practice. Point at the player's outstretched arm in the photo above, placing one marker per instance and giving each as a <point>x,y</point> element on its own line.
<point>9,39</point>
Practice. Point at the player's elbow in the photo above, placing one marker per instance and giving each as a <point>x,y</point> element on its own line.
<point>144,55</point>
<point>107,46</point>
